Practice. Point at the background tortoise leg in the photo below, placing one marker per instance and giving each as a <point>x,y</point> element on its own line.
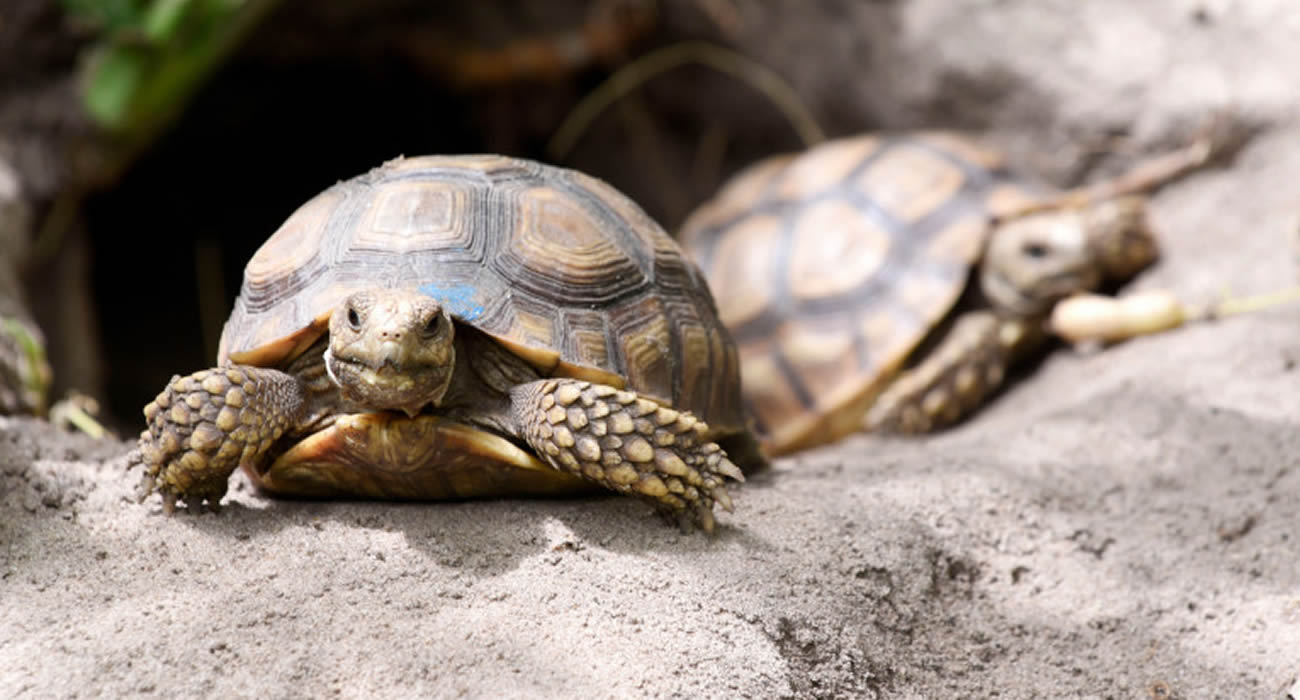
<point>966,366</point>
<point>203,426</point>
<point>628,444</point>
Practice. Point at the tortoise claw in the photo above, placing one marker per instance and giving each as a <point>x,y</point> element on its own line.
<point>147,483</point>
<point>195,505</point>
<point>728,469</point>
<point>146,488</point>
<point>722,498</point>
<point>704,518</point>
<point>688,518</point>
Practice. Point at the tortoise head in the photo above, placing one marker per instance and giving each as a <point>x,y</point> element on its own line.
<point>391,349</point>
<point>1035,260</point>
<point>1120,237</point>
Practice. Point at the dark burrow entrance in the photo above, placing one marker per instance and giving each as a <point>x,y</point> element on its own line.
<point>300,107</point>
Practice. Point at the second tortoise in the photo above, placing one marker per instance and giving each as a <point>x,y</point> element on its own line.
<point>887,281</point>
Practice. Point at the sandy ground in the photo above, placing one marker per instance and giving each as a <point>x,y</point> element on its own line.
<point>1116,525</point>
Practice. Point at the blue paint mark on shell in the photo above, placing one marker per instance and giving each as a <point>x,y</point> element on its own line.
<point>458,300</point>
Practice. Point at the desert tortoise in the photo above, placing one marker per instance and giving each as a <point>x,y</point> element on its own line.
<point>838,271</point>
<point>462,326</point>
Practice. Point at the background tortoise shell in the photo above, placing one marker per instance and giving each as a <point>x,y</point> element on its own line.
<point>830,266</point>
<point>558,266</point>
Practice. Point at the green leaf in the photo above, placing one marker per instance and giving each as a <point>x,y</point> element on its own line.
<point>115,84</point>
<point>164,16</point>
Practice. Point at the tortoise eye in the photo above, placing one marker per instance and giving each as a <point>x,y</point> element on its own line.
<point>433,326</point>
<point>354,319</point>
<point>1035,250</point>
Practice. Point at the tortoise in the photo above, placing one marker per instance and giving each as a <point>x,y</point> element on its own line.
<point>844,274</point>
<point>448,327</point>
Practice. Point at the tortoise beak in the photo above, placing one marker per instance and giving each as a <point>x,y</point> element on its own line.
<point>391,354</point>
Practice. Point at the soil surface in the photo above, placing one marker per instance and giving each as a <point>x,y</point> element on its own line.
<point>1117,524</point>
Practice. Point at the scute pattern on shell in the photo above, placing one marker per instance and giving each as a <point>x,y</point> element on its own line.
<point>542,257</point>
<point>831,265</point>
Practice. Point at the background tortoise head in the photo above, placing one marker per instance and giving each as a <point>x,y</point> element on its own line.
<point>1033,261</point>
<point>391,349</point>
<point>1121,236</point>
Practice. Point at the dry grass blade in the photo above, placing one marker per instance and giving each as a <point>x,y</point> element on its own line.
<point>635,74</point>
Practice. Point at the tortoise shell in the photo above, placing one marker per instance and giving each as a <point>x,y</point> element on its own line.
<point>831,266</point>
<point>559,267</point>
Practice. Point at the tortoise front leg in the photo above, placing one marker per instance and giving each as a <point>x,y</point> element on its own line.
<point>628,444</point>
<point>966,366</point>
<point>203,426</point>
